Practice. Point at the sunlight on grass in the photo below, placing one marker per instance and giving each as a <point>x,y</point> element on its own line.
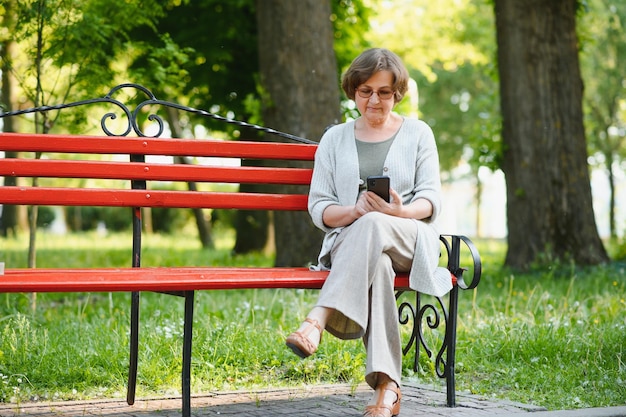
<point>554,337</point>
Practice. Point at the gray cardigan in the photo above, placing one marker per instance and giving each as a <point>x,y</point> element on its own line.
<point>413,166</point>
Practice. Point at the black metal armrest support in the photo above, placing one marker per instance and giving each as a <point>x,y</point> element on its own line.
<point>453,249</point>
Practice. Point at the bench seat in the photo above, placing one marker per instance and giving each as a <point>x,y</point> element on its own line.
<point>163,279</point>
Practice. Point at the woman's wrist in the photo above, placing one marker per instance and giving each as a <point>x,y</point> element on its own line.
<point>338,216</point>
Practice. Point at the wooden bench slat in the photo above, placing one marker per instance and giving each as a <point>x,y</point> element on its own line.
<point>163,279</point>
<point>25,142</point>
<point>50,196</point>
<point>153,172</point>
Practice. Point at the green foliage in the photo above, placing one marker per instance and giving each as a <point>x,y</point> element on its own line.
<point>116,219</point>
<point>464,115</point>
<point>45,216</point>
<point>552,337</point>
<point>69,49</point>
<point>168,220</point>
<point>618,250</point>
<point>602,33</point>
<point>350,22</point>
<point>602,30</point>
<point>450,49</point>
<point>89,218</point>
<point>200,53</point>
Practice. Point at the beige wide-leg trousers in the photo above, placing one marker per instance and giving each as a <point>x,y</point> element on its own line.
<point>360,288</point>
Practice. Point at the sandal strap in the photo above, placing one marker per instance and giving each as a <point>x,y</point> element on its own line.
<point>380,407</point>
<point>307,330</point>
<point>375,410</point>
<point>387,387</point>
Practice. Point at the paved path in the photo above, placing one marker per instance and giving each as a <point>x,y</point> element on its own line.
<point>310,401</point>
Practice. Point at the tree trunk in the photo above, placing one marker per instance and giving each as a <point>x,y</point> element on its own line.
<point>299,72</point>
<point>204,229</point>
<point>252,226</point>
<point>479,200</point>
<point>612,199</point>
<point>549,204</point>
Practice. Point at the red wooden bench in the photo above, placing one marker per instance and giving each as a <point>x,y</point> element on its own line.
<point>184,281</point>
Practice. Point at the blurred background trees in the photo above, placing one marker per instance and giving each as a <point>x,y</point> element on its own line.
<point>603,52</point>
<point>236,59</point>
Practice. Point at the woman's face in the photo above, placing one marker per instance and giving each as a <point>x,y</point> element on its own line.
<point>376,109</point>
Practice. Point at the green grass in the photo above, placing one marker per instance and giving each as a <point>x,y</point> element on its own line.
<point>553,338</point>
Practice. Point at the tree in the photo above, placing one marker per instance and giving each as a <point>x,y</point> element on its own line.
<point>549,204</point>
<point>603,54</point>
<point>298,71</point>
<point>209,67</point>
<point>66,54</point>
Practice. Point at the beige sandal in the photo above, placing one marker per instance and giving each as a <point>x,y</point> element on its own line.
<point>299,341</point>
<point>380,409</point>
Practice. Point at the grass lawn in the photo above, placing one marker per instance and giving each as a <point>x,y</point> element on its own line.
<point>555,337</point>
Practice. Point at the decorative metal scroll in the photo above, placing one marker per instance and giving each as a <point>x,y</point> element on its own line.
<point>432,315</point>
<point>133,115</point>
<point>424,315</point>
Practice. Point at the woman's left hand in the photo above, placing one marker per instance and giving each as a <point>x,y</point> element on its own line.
<point>374,202</point>
<point>419,209</point>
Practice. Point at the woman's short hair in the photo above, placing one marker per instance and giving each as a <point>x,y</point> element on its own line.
<point>370,62</point>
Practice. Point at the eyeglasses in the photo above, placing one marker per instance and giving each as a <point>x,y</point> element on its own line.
<point>384,94</point>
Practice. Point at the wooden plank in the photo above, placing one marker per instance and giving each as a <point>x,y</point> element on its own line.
<point>29,142</point>
<point>163,279</point>
<point>50,196</point>
<point>152,171</point>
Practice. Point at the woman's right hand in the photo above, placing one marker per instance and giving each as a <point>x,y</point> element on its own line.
<point>339,216</point>
<point>363,204</point>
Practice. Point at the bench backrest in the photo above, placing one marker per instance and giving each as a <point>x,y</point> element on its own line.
<point>141,172</point>
<point>138,175</point>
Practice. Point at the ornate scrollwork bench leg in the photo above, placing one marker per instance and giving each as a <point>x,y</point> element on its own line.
<point>432,314</point>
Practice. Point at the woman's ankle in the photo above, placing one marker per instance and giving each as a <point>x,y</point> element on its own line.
<point>321,315</point>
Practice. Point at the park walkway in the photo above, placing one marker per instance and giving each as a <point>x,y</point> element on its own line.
<point>311,401</point>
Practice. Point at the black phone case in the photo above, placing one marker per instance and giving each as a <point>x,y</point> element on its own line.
<point>379,185</point>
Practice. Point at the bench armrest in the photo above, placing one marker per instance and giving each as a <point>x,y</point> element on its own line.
<point>454,245</point>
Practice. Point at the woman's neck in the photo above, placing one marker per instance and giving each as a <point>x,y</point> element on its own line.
<point>377,131</point>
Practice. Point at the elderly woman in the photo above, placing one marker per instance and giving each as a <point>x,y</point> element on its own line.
<point>367,238</point>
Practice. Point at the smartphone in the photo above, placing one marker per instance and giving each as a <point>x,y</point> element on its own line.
<point>379,185</point>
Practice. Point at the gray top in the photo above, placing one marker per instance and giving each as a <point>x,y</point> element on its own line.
<point>372,157</point>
